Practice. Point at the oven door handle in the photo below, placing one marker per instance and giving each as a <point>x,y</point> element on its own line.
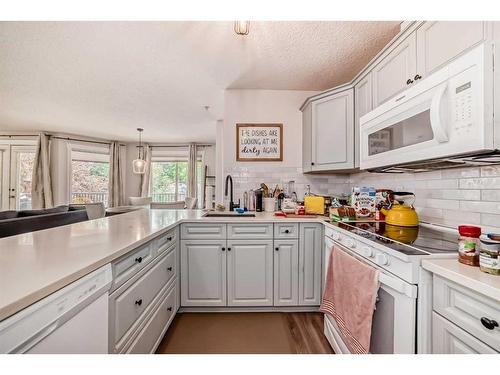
<point>386,279</point>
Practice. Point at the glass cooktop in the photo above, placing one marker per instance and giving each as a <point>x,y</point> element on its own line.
<point>420,240</point>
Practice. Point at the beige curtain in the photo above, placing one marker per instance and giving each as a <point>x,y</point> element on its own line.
<point>191,182</point>
<point>41,185</point>
<point>116,179</point>
<point>145,178</point>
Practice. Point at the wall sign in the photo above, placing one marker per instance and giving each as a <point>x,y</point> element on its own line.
<point>259,142</point>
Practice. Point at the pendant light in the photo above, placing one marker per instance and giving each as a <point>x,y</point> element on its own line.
<point>242,27</point>
<point>139,164</point>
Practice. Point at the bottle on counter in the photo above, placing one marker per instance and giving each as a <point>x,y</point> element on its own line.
<point>489,259</point>
<point>468,245</point>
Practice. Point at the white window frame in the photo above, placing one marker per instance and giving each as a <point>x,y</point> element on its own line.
<point>7,147</point>
<point>167,160</point>
<point>84,152</point>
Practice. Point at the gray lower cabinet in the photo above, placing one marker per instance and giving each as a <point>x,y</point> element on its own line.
<point>142,307</point>
<point>448,338</point>
<point>250,272</point>
<point>286,272</point>
<point>203,273</point>
<point>310,244</point>
<point>258,265</point>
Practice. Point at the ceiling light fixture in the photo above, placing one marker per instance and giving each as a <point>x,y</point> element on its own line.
<point>139,164</point>
<point>242,27</point>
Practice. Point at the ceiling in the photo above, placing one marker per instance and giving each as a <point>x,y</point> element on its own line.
<point>105,79</point>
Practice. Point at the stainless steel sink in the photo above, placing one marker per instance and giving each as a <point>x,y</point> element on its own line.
<point>228,214</point>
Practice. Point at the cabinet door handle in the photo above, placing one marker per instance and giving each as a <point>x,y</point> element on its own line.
<point>312,163</point>
<point>277,248</point>
<point>228,249</point>
<point>169,238</point>
<point>169,309</point>
<point>489,323</point>
<point>138,259</point>
<point>417,77</point>
<point>223,249</point>
<point>138,302</point>
<point>169,268</point>
<point>409,81</point>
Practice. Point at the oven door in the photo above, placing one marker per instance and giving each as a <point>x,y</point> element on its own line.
<point>394,319</point>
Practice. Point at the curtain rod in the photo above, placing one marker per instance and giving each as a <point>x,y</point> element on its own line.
<point>18,135</point>
<point>82,140</point>
<point>59,137</point>
<point>186,145</point>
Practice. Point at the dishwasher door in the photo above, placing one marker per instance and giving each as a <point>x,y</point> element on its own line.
<point>72,320</point>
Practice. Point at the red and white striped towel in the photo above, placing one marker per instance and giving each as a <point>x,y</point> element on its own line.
<point>350,296</point>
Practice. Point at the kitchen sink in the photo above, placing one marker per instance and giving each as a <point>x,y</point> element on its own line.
<point>228,214</point>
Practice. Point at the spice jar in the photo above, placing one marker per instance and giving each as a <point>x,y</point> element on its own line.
<point>489,259</point>
<point>468,245</point>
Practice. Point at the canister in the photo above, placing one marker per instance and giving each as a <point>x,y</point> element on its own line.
<point>489,260</point>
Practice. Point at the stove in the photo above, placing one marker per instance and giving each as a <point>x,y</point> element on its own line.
<point>398,250</point>
<point>404,296</point>
<point>423,240</point>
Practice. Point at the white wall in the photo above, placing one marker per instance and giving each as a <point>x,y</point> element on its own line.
<point>265,106</point>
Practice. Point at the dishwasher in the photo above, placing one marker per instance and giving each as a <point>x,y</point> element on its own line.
<point>72,320</point>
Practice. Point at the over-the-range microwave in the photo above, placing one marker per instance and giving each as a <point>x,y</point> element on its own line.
<point>444,121</point>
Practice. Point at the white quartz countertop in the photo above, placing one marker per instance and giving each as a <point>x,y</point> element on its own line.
<point>34,265</point>
<point>467,276</point>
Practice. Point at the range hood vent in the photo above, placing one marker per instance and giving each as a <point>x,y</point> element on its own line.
<point>473,160</point>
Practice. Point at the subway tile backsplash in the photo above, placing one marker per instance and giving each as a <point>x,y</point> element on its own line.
<point>449,197</point>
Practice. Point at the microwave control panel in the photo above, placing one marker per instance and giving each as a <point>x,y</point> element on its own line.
<point>462,107</point>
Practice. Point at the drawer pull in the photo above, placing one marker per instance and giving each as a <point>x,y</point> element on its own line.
<point>138,302</point>
<point>138,259</point>
<point>169,268</point>
<point>489,323</point>
<point>287,231</point>
<point>169,238</point>
<point>169,309</point>
<point>277,249</point>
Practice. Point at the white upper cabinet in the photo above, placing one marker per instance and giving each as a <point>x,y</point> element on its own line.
<point>395,71</point>
<point>363,103</point>
<point>332,135</point>
<point>439,42</point>
<point>306,138</point>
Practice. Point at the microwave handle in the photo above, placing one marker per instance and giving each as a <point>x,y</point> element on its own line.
<point>437,123</point>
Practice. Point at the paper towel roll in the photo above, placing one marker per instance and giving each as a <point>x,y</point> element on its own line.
<point>209,197</point>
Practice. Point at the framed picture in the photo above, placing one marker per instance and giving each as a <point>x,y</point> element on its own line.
<point>259,142</point>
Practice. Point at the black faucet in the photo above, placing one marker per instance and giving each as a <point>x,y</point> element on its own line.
<point>232,206</point>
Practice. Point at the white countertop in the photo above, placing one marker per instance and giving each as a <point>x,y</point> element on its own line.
<point>34,265</point>
<point>467,276</point>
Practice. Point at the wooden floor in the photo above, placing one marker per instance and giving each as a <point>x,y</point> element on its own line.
<point>245,333</point>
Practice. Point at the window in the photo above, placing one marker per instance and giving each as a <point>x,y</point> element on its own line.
<point>25,161</point>
<point>168,181</point>
<point>89,177</point>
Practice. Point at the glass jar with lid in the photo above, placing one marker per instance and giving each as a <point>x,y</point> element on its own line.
<point>468,245</point>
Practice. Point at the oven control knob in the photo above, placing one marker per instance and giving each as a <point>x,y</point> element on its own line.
<point>350,243</point>
<point>381,259</point>
<point>367,251</point>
